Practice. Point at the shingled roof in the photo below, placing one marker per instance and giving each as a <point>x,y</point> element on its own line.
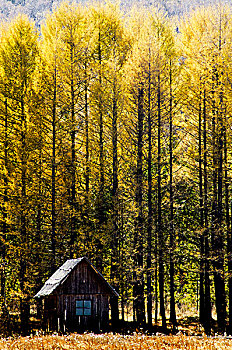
<point>62,274</point>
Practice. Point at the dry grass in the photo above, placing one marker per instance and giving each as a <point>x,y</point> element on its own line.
<point>115,342</point>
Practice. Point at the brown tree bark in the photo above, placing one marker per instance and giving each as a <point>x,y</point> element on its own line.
<point>24,301</point>
<point>115,242</point>
<point>159,224</point>
<point>5,203</point>
<point>53,236</point>
<point>217,241</point>
<point>202,248</point>
<point>73,159</point>
<point>207,320</point>
<point>139,304</point>
<point>149,195</point>
<point>172,241</point>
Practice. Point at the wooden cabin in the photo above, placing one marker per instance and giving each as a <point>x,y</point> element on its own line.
<point>76,298</point>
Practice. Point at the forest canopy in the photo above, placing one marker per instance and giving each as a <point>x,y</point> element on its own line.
<point>115,144</point>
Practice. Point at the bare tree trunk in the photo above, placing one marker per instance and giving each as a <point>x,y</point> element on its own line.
<point>149,226</point>
<point>160,232</point>
<point>39,227</point>
<point>218,260</point>
<point>87,168</point>
<point>101,211</point>
<point>73,160</point>
<point>156,278</point>
<point>53,237</point>
<point>139,278</point>
<point>88,238</point>
<point>5,225</point>
<point>228,226</point>
<point>206,226</point>
<point>219,273</point>
<point>172,242</point>
<point>5,202</point>
<point>229,250</point>
<point>217,241</point>
<point>202,250</point>
<point>24,302</point>
<point>122,263</point>
<point>115,243</point>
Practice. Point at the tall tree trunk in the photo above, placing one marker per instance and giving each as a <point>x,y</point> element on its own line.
<point>73,160</point>
<point>101,146</point>
<point>122,263</point>
<point>217,241</point>
<point>4,310</point>
<point>228,226</point>
<point>53,237</point>
<point>149,226</point>
<point>24,302</point>
<point>156,278</point>
<point>101,204</point>
<point>218,234</point>
<point>159,225</point>
<point>202,250</point>
<point>139,278</point>
<point>207,320</point>
<point>39,227</point>
<point>219,273</point>
<point>5,203</point>
<point>214,199</point>
<point>172,242</point>
<point>87,168</point>
<point>229,252</point>
<point>229,230</point>
<point>114,247</point>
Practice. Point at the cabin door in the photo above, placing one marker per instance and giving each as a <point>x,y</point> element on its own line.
<point>51,311</point>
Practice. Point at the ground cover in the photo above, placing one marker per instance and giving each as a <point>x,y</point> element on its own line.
<point>116,342</point>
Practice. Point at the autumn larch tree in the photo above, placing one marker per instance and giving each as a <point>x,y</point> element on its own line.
<point>18,60</point>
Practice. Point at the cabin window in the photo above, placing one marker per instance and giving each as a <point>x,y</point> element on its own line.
<point>83,307</point>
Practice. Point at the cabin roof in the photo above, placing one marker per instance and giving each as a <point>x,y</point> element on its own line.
<point>62,274</point>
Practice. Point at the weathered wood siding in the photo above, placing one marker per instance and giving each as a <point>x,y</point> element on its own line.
<point>83,280</point>
<point>82,284</point>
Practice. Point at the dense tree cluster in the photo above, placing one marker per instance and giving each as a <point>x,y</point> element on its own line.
<point>115,144</point>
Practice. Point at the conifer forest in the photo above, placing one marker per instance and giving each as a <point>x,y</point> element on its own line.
<point>115,144</point>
